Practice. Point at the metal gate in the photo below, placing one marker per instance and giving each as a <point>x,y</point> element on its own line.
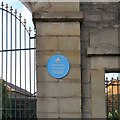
<point>112,89</point>
<point>17,67</point>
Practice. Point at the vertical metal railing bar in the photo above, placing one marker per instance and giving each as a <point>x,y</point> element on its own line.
<point>30,71</point>
<point>20,63</point>
<point>112,99</point>
<point>15,58</point>
<point>11,64</point>
<point>34,79</point>
<point>34,82</point>
<point>6,108</point>
<point>2,59</point>
<point>8,59</point>
<point>25,112</point>
<point>107,100</point>
<point>117,94</point>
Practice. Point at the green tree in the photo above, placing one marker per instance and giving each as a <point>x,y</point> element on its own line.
<point>5,100</point>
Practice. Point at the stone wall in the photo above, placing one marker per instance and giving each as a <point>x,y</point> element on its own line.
<point>91,50</point>
<point>58,32</point>
<point>99,53</point>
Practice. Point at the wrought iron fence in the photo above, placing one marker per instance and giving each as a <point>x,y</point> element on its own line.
<point>112,89</point>
<point>17,67</point>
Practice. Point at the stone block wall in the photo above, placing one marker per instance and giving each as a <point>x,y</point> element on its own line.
<point>92,47</point>
<point>99,53</point>
<point>58,32</point>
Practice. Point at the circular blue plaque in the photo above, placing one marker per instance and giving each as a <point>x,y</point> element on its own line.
<point>58,66</point>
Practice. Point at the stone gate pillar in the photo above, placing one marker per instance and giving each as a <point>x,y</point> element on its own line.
<point>58,32</point>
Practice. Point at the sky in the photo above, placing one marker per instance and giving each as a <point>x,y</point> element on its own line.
<point>110,75</point>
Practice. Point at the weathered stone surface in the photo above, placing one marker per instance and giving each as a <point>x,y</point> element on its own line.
<point>62,105</point>
<point>104,37</point>
<point>69,43</point>
<point>64,38</point>
<point>70,115</point>
<point>46,43</point>
<point>105,62</point>
<point>47,115</point>
<point>93,16</point>
<point>58,43</point>
<point>99,36</point>
<point>60,89</point>
<point>42,75</point>
<point>65,16</point>
<point>87,105</point>
<point>98,94</point>
<point>70,105</point>
<point>56,29</point>
<point>39,6</point>
<point>72,56</point>
<point>64,6</point>
<point>73,75</point>
<point>99,30</point>
<point>51,5</point>
<point>85,76</point>
<point>86,90</point>
<point>49,105</point>
<point>43,57</point>
<point>108,16</point>
<point>59,115</point>
<point>103,51</point>
<point>86,115</point>
<point>85,62</point>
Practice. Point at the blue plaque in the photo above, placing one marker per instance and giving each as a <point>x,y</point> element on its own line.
<point>58,66</point>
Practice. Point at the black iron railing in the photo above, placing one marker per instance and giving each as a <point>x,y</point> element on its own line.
<point>112,89</point>
<point>17,67</point>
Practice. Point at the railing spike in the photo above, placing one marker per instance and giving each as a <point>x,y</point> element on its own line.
<point>11,9</point>
<point>25,22</point>
<point>106,78</point>
<point>20,16</point>
<point>30,29</point>
<point>6,6</point>
<point>15,11</point>
<point>2,4</point>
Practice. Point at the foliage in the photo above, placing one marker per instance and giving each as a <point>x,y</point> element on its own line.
<point>5,101</point>
<point>114,115</point>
